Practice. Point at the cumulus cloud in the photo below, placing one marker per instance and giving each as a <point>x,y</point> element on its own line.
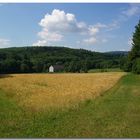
<point>62,22</point>
<point>4,42</point>
<point>51,36</point>
<point>57,24</point>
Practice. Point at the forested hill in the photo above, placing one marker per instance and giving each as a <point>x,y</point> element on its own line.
<point>38,59</point>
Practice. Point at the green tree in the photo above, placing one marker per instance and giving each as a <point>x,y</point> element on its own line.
<point>38,66</point>
<point>136,66</point>
<point>84,66</point>
<point>134,55</point>
<point>75,66</point>
<point>24,68</point>
<point>45,68</point>
<point>135,51</point>
<point>10,66</point>
<point>26,65</point>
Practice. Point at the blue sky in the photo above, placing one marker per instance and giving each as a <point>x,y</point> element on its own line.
<point>98,27</point>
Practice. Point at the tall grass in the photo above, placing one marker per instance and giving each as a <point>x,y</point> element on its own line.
<point>44,91</point>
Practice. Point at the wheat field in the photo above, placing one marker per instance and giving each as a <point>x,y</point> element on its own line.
<point>43,91</point>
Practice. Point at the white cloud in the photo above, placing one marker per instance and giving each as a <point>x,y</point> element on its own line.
<point>100,25</point>
<point>40,43</point>
<point>93,30</point>
<point>123,50</point>
<point>90,41</point>
<point>58,24</point>
<point>93,40</point>
<point>133,10</point>
<point>113,25</point>
<point>50,36</point>
<point>62,22</point>
<point>4,42</point>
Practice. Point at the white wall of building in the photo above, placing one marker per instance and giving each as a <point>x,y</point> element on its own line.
<point>51,69</point>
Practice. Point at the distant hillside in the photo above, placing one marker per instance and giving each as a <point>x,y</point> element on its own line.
<point>38,59</point>
<point>118,52</point>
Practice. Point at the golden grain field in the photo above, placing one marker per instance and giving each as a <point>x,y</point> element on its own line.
<point>42,91</point>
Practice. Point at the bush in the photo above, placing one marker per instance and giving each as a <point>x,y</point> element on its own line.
<point>136,66</point>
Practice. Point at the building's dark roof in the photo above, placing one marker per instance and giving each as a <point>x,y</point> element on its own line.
<point>58,67</point>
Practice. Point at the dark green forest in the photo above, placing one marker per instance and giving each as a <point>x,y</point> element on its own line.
<point>37,59</point>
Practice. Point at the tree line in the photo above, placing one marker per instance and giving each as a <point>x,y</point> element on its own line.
<point>38,59</point>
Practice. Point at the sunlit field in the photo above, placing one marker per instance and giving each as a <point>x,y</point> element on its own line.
<point>39,92</point>
<point>99,105</point>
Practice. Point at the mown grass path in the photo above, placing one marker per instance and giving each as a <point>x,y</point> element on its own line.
<point>115,114</point>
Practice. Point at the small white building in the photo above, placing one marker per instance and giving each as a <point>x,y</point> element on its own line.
<point>56,68</point>
<point>51,69</point>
